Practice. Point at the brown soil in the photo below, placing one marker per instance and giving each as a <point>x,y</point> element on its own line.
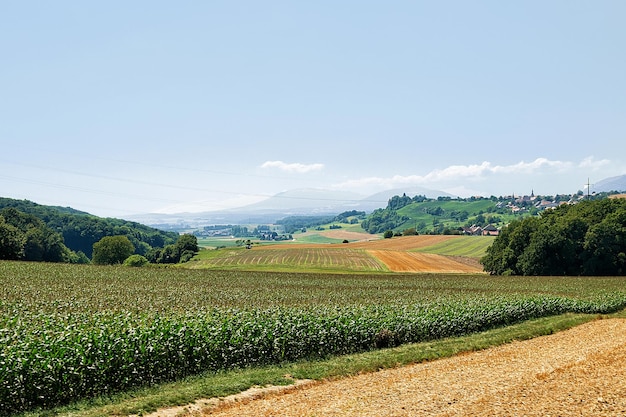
<point>398,261</point>
<point>578,372</point>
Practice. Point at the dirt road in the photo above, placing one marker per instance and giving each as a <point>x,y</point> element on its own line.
<point>578,372</point>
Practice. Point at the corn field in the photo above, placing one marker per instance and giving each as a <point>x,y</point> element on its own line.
<point>69,332</point>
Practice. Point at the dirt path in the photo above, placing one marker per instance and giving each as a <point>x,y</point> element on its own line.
<point>578,372</point>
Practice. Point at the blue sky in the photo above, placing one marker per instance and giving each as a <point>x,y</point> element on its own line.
<point>119,108</point>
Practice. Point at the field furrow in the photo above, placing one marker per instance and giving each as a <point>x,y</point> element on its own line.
<point>399,261</point>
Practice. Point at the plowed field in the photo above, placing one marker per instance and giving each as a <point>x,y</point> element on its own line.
<point>398,261</point>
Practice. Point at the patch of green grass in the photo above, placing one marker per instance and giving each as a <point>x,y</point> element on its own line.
<point>468,246</point>
<point>312,237</point>
<point>218,242</point>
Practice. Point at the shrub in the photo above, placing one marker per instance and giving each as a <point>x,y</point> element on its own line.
<point>135,261</point>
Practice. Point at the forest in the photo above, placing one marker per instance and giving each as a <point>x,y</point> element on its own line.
<point>30,231</point>
<point>588,238</point>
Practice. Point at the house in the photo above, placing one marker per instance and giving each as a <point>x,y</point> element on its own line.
<point>472,230</point>
<point>546,204</point>
<point>490,230</point>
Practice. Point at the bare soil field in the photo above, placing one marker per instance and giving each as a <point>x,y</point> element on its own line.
<point>399,261</point>
<point>577,372</point>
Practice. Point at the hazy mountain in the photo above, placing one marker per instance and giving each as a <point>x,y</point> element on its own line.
<point>297,202</point>
<point>307,201</point>
<point>610,184</point>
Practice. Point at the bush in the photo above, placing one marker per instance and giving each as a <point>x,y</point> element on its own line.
<point>135,261</point>
<point>388,234</point>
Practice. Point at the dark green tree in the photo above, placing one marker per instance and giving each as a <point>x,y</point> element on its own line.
<point>187,243</point>
<point>112,250</point>
<point>39,242</point>
<point>11,241</point>
<point>605,245</point>
<point>588,238</point>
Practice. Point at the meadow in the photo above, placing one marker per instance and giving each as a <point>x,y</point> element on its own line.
<point>69,332</point>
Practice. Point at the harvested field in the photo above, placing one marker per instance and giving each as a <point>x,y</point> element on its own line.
<point>398,261</point>
<point>574,372</point>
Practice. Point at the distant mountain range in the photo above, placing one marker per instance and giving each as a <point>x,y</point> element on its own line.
<point>303,202</point>
<point>311,201</point>
<point>610,184</point>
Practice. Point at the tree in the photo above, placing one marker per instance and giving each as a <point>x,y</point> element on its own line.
<point>588,238</point>
<point>187,243</point>
<point>605,245</point>
<point>38,241</point>
<point>11,241</point>
<point>409,232</point>
<point>112,250</point>
<point>388,234</point>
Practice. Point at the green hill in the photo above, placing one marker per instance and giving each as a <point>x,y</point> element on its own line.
<point>442,215</point>
<point>81,230</point>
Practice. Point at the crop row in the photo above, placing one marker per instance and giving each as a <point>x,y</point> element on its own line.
<point>47,359</point>
<point>335,258</point>
<point>75,331</point>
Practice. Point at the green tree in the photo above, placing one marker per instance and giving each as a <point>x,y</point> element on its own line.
<point>605,246</point>
<point>187,243</point>
<point>503,254</point>
<point>588,238</point>
<point>112,250</point>
<point>388,234</point>
<point>169,255</point>
<point>39,242</point>
<point>11,241</point>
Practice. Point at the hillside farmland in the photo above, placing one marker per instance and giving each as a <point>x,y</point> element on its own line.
<point>400,254</point>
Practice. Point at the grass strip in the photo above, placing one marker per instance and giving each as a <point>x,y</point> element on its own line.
<point>221,384</point>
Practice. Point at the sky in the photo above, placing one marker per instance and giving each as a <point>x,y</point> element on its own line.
<point>127,107</point>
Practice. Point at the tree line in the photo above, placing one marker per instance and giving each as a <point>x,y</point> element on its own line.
<point>111,250</point>
<point>34,232</point>
<point>588,238</point>
<point>25,237</point>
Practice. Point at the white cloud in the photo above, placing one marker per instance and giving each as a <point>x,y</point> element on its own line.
<point>591,163</point>
<point>293,167</point>
<point>455,174</point>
